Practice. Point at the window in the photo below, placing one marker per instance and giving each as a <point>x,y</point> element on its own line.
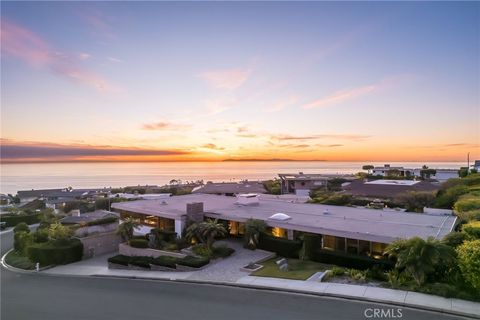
<point>352,246</point>
<point>328,242</point>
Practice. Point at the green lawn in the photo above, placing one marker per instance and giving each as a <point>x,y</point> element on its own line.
<point>18,261</point>
<point>298,269</point>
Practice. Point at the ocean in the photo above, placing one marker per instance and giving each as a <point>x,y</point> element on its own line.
<point>25,176</point>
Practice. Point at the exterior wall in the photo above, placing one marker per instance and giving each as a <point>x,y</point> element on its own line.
<point>179,226</point>
<point>195,212</point>
<point>99,244</point>
<point>127,250</point>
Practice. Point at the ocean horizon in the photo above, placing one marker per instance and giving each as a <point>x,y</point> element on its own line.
<point>24,176</point>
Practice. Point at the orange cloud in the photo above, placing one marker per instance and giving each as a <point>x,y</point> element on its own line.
<point>23,44</point>
<point>163,125</point>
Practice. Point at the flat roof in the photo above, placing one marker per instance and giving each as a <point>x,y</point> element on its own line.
<point>350,222</point>
<point>393,182</point>
<point>231,187</point>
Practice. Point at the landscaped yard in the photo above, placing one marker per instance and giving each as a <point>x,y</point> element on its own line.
<point>297,269</point>
<point>18,261</point>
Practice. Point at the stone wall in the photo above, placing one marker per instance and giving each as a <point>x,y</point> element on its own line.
<point>100,243</point>
<point>195,212</point>
<point>127,250</point>
<point>100,228</point>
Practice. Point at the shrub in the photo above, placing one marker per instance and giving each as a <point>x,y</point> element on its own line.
<point>447,197</point>
<point>311,242</point>
<point>41,235</point>
<point>12,220</point>
<point>376,273</point>
<point>337,271</point>
<point>21,241</point>
<point>283,247</point>
<point>202,250</point>
<point>454,239</point>
<point>164,235</point>
<point>138,243</point>
<point>194,262</point>
<point>142,262</point>
<point>469,262</point>
<point>165,261</point>
<point>222,252</point>
<point>349,261</point>
<point>357,275</point>
<point>120,259</point>
<point>106,220</point>
<point>21,227</point>
<point>56,252</point>
<point>472,230</point>
<point>58,231</point>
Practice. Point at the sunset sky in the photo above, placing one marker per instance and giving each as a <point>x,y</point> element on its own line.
<point>154,81</point>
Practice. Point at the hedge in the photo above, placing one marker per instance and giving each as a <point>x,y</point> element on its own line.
<point>165,261</point>
<point>12,220</point>
<point>222,252</point>
<point>194,262</point>
<point>138,243</point>
<point>164,235</point>
<point>283,247</point>
<point>120,259</point>
<point>349,261</point>
<point>56,252</point>
<point>102,221</point>
<point>311,243</point>
<point>141,261</point>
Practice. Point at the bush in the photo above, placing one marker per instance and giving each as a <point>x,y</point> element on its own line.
<point>102,221</point>
<point>376,273</point>
<point>120,259</point>
<point>337,271</point>
<point>165,261</point>
<point>21,227</point>
<point>349,261</point>
<point>12,220</point>
<point>142,262</point>
<point>21,241</point>
<point>311,242</point>
<point>41,235</point>
<point>222,252</point>
<point>357,275</point>
<point>454,239</point>
<point>472,230</point>
<point>469,262</point>
<point>193,262</point>
<point>201,250</point>
<point>138,243</point>
<point>56,252</point>
<point>283,247</point>
<point>447,197</point>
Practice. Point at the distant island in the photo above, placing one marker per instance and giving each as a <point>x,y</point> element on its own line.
<point>273,159</point>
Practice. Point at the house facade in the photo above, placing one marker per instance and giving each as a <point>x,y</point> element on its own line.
<point>301,183</point>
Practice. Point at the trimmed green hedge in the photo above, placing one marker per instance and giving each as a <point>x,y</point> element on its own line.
<point>349,261</point>
<point>101,221</point>
<point>138,243</point>
<point>283,247</point>
<point>222,252</point>
<point>12,220</point>
<point>193,262</point>
<point>120,259</point>
<point>56,252</point>
<point>165,261</point>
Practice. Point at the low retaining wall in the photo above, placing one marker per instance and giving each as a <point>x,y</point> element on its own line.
<point>100,228</point>
<point>100,243</point>
<point>127,250</point>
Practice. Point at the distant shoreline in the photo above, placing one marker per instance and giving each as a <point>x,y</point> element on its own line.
<point>269,160</point>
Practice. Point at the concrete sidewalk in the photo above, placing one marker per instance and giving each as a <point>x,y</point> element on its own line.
<point>397,297</point>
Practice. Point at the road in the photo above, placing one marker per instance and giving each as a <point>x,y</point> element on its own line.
<point>33,296</point>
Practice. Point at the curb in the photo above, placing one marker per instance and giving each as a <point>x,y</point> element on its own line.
<point>247,286</point>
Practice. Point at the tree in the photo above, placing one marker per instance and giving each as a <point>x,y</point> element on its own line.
<point>463,172</point>
<point>127,227</point>
<point>454,239</point>
<point>469,262</point>
<point>368,167</point>
<point>472,230</point>
<point>415,201</point>
<point>273,186</point>
<point>206,232</point>
<point>21,227</point>
<point>419,258</point>
<point>47,218</point>
<point>57,231</point>
<point>425,172</point>
<point>253,228</point>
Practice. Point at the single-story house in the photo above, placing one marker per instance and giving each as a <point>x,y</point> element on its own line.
<point>302,183</point>
<point>230,188</point>
<point>387,189</point>
<point>348,229</point>
<point>88,217</point>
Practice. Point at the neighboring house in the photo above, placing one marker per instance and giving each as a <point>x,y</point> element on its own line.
<point>440,175</point>
<point>54,197</point>
<point>352,230</point>
<point>476,165</point>
<point>230,188</point>
<point>5,200</point>
<point>301,184</point>
<point>87,217</point>
<point>387,189</point>
<point>30,195</point>
<point>388,170</point>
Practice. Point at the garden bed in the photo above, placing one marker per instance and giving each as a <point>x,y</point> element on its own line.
<point>298,269</point>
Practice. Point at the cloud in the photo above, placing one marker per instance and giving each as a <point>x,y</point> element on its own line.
<point>163,125</point>
<point>98,23</point>
<point>282,104</point>
<point>212,146</point>
<point>351,137</point>
<point>226,79</point>
<point>23,44</point>
<point>24,151</point>
<point>218,105</point>
<point>341,96</point>
<point>84,56</point>
<point>116,60</point>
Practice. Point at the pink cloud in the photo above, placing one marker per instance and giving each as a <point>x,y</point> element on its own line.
<point>21,43</point>
<point>226,79</point>
<point>341,96</point>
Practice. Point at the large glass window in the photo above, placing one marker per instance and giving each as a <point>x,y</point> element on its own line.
<point>352,246</point>
<point>328,242</point>
<point>378,249</point>
<point>364,248</point>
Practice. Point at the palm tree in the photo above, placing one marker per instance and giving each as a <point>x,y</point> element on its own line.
<point>419,258</point>
<point>194,232</point>
<point>253,228</point>
<point>126,228</point>
<point>210,230</point>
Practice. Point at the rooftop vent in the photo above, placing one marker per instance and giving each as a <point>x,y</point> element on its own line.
<point>279,217</point>
<point>326,211</point>
<point>248,199</point>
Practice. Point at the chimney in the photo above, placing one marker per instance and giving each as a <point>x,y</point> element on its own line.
<point>195,212</point>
